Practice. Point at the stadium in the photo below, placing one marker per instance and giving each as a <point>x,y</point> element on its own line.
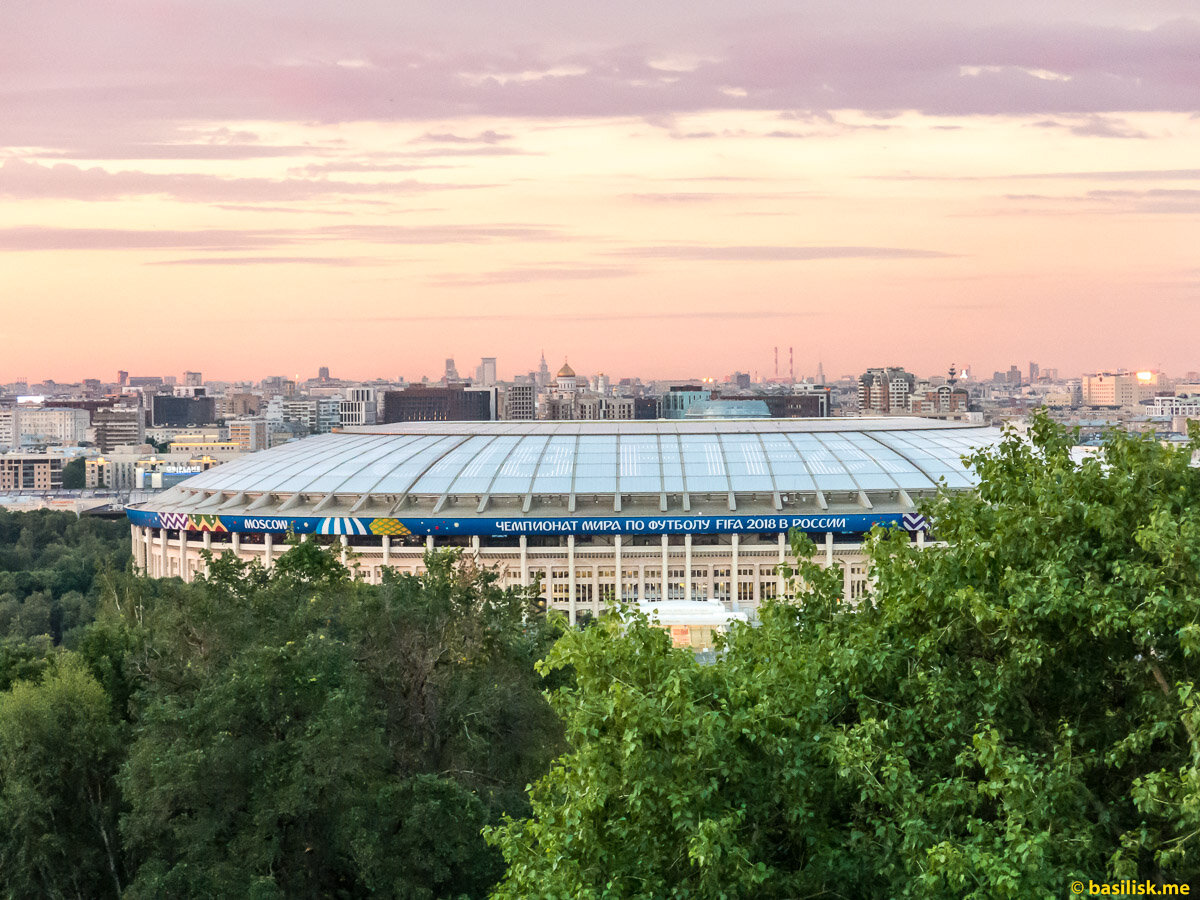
<point>642,510</point>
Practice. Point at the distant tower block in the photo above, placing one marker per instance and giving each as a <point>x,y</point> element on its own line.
<point>776,362</point>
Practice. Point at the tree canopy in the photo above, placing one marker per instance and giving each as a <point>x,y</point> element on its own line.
<point>291,732</point>
<point>52,565</point>
<point>1007,711</point>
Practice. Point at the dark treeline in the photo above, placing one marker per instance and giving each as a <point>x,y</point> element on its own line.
<point>296,733</point>
<point>53,568</point>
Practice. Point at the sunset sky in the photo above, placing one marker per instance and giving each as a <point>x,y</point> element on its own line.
<point>663,189</point>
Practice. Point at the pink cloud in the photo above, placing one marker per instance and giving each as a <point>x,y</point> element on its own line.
<point>139,74</point>
<point>28,180</point>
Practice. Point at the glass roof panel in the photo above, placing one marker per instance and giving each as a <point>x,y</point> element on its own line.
<point>249,469</point>
<point>672,464</point>
<point>438,478</point>
<point>749,470</point>
<point>704,463</point>
<point>419,457</point>
<point>816,455</point>
<point>516,472</point>
<point>595,484</point>
<point>786,464</point>
<point>300,474</point>
<point>374,466</point>
<point>554,472</point>
<point>476,476</point>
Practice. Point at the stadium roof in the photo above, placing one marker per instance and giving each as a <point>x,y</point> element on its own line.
<point>532,469</point>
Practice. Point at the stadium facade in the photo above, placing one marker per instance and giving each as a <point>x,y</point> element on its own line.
<point>644,511</point>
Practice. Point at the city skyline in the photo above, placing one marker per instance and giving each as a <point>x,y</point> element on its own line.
<point>507,375</point>
<point>676,189</point>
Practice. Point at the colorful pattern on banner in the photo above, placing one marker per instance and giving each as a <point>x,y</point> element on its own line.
<point>335,525</point>
<point>393,527</point>
<point>514,527</point>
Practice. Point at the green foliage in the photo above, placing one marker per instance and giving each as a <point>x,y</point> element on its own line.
<point>51,568</point>
<point>74,474</point>
<point>59,750</point>
<point>300,733</point>
<point>1006,713</point>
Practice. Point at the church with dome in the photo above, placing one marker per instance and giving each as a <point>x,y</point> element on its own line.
<point>569,399</point>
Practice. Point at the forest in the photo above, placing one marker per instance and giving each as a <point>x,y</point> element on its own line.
<point>1011,709</point>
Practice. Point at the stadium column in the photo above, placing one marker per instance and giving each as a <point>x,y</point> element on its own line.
<point>573,610</point>
<point>145,551</point>
<point>183,548</point>
<point>208,547</point>
<point>733,573</point>
<point>829,549</point>
<point>429,542</point>
<point>595,604</point>
<point>618,590</point>
<point>666,543</point>
<point>782,561</point>
<point>846,582</point>
<point>387,550</point>
<point>162,552</point>
<point>641,594</point>
<point>236,542</point>
<point>524,544</point>
<point>687,566</point>
<point>345,553</point>
<point>268,550</point>
<point>475,546</point>
<point>921,538</point>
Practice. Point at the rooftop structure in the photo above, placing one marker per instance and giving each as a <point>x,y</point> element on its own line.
<point>523,494</point>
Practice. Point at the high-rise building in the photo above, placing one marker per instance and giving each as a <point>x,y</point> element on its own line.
<point>318,415</point>
<point>676,401</point>
<point>360,407</point>
<point>49,425</point>
<point>451,375</point>
<point>193,379</point>
<point>485,375</point>
<point>519,402</point>
<point>119,426</point>
<point>181,412</point>
<point>1119,388</point>
<point>454,403</point>
<point>1034,372</point>
<point>250,434</point>
<point>30,472</point>
<point>885,391</point>
<point>323,374</point>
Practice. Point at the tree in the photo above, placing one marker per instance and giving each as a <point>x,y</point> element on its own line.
<point>1004,714</point>
<point>73,474</point>
<point>298,733</point>
<point>59,751</point>
<point>51,567</point>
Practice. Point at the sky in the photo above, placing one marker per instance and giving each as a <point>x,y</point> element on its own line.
<point>661,189</point>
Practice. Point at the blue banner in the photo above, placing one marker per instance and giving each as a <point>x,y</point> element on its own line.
<point>511,527</point>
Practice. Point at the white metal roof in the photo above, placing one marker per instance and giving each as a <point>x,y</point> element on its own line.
<point>639,457</point>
